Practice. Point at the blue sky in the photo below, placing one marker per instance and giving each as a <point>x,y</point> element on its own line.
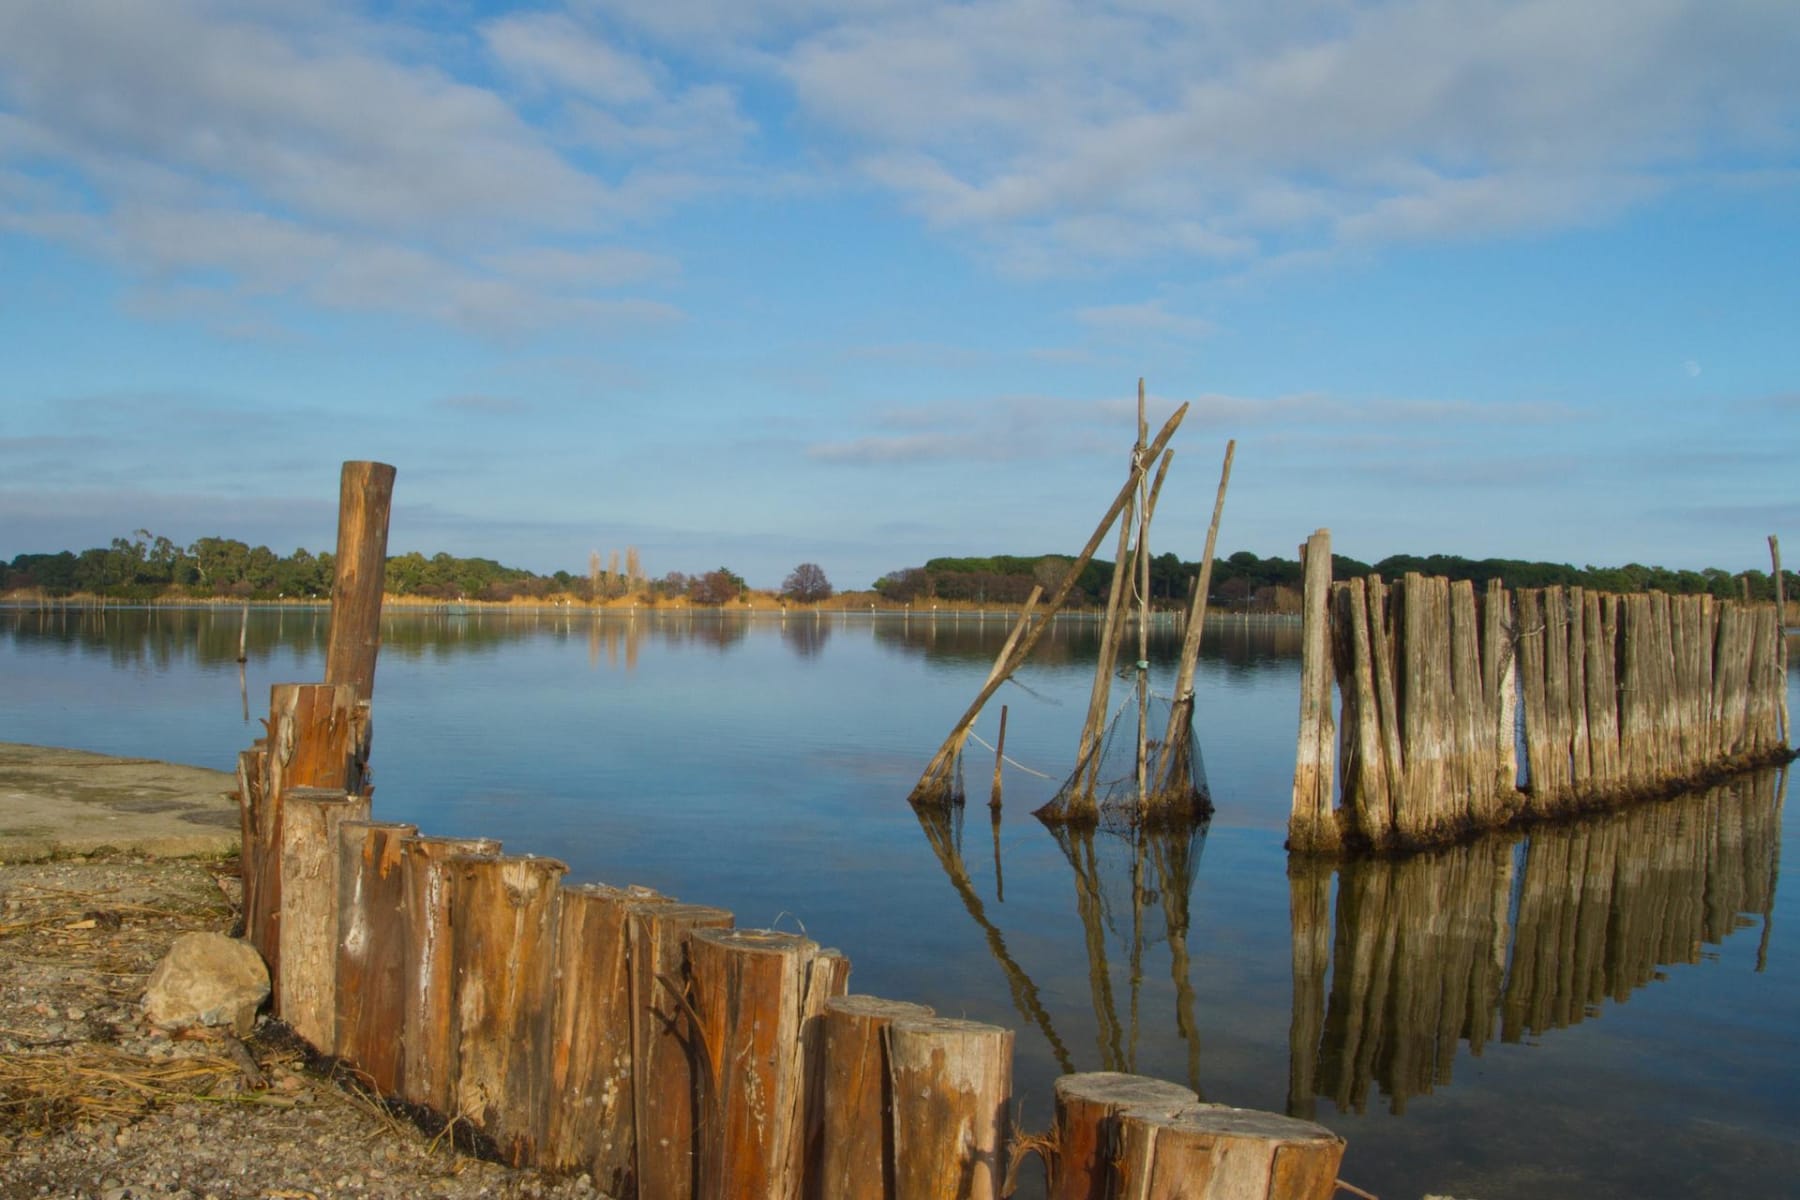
<point>866,282</point>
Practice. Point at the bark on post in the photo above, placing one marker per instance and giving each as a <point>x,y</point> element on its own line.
<point>370,947</point>
<point>591,1112</point>
<point>428,1054</point>
<point>856,1158</point>
<point>365,494</point>
<point>668,1074</point>
<point>756,991</point>
<point>1312,824</point>
<point>504,916</point>
<point>952,1082</point>
<point>309,922</point>
<point>1088,1106</point>
<point>1212,1152</point>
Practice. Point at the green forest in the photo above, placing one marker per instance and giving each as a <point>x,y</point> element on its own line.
<point>146,566</point>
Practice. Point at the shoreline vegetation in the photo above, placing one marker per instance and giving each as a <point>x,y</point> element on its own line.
<point>148,569</point>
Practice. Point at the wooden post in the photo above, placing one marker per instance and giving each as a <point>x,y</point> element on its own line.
<point>999,758</point>
<point>365,493</point>
<point>1312,824</point>
<point>503,923</point>
<point>1079,804</point>
<point>952,1082</point>
<point>1781,652</point>
<point>309,899</point>
<point>1088,1106</point>
<point>1367,790</point>
<point>856,1157</point>
<point>371,945</point>
<point>1212,1152</point>
<point>591,1107</point>
<point>1175,772</point>
<point>757,992</point>
<point>428,1054</point>
<point>668,1066</point>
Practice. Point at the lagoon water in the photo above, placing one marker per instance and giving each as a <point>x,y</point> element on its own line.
<point>1604,1008</point>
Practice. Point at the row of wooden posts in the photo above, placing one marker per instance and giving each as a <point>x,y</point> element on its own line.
<point>1490,940</point>
<point>1623,697</point>
<point>642,1040</point>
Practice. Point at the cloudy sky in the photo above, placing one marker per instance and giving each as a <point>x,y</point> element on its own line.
<point>868,281</point>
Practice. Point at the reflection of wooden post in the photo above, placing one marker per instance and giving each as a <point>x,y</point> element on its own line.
<point>591,1106</point>
<point>428,1067</point>
<point>1309,908</point>
<point>669,1072</point>
<point>365,493</point>
<point>503,922</point>
<point>952,1081</point>
<point>370,943</point>
<point>1087,1128</point>
<point>1312,825</point>
<point>1213,1151</point>
<point>309,901</point>
<point>856,1158</point>
<point>757,993</point>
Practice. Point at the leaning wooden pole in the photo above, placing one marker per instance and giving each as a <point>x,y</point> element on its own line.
<point>365,494</point>
<point>930,790</point>
<point>1175,771</point>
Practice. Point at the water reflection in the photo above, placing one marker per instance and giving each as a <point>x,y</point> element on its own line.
<point>1515,935</point>
<point>1132,889</point>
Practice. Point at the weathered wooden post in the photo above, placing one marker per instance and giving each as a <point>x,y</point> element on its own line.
<point>309,900</point>
<point>758,994</point>
<point>1781,653</point>
<point>365,494</point>
<point>856,1157</point>
<point>667,1063</point>
<point>1312,824</point>
<point>590,1124</point>
<point>428,1071</point>
<point>371,947</point>
<point>951,1081</point>
<point>503,923</point>
<point>1088,1106</point>
<point>1212,1152</point>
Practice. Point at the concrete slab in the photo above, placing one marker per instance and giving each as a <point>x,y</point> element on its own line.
<point>55,803</point>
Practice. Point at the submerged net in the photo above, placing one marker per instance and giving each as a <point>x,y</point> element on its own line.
<point>1173,784</point>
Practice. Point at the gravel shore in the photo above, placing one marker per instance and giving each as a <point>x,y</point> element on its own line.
<point>97,1104</point>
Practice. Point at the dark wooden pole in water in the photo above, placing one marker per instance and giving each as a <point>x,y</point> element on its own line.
<point>952,1082</point>
<point>1211,1151</point>
<point>856,1157</point>
<point>1087,1130</point>
<point>365,494</point>
<point>999,758</point>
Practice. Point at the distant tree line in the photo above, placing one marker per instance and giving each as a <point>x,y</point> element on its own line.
<point>1245,581</point>
<point>147,566</point>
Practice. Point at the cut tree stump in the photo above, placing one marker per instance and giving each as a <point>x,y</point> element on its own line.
<point>1214,1152</point>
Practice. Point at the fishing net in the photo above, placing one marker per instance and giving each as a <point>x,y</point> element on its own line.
<point>1109,784</point>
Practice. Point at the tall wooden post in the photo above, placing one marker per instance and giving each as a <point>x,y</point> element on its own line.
<point>365,494</point>
<point>1781,658</point>
<point>1313,825</point>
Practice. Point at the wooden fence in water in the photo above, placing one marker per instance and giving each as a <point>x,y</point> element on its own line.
<point>1622,698</point>
<point>1514,935</point>
<point>648,1042</point>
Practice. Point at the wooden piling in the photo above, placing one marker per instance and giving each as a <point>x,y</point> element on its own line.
<point>1087,1128</point>
<point>1785,730</point>
<point>504,919</point>
<point>310,821</point>
<point>428,1060</point>
<point>669,1072</point>
<point>952,1081</point>
<point>758,994</point>
<point>856,1155</point>
<point>1212,1152</point>
<point>591,1120</point>
<point>371,941</point>
<point>1312,825</point>
<point>365,494</point>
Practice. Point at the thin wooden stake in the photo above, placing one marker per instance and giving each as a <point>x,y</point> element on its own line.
<point>1175,772</point>
<point>999,758</point>
<point>1781,652</point>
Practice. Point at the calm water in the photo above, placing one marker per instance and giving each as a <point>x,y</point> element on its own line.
<point>1611,1008</point>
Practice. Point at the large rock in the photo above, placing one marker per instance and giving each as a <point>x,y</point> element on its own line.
<point>207,979</point>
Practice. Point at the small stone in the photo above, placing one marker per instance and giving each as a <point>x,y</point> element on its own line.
<point>207,979</point>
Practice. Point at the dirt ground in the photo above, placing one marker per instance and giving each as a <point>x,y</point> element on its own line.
<point>96,1104</point>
